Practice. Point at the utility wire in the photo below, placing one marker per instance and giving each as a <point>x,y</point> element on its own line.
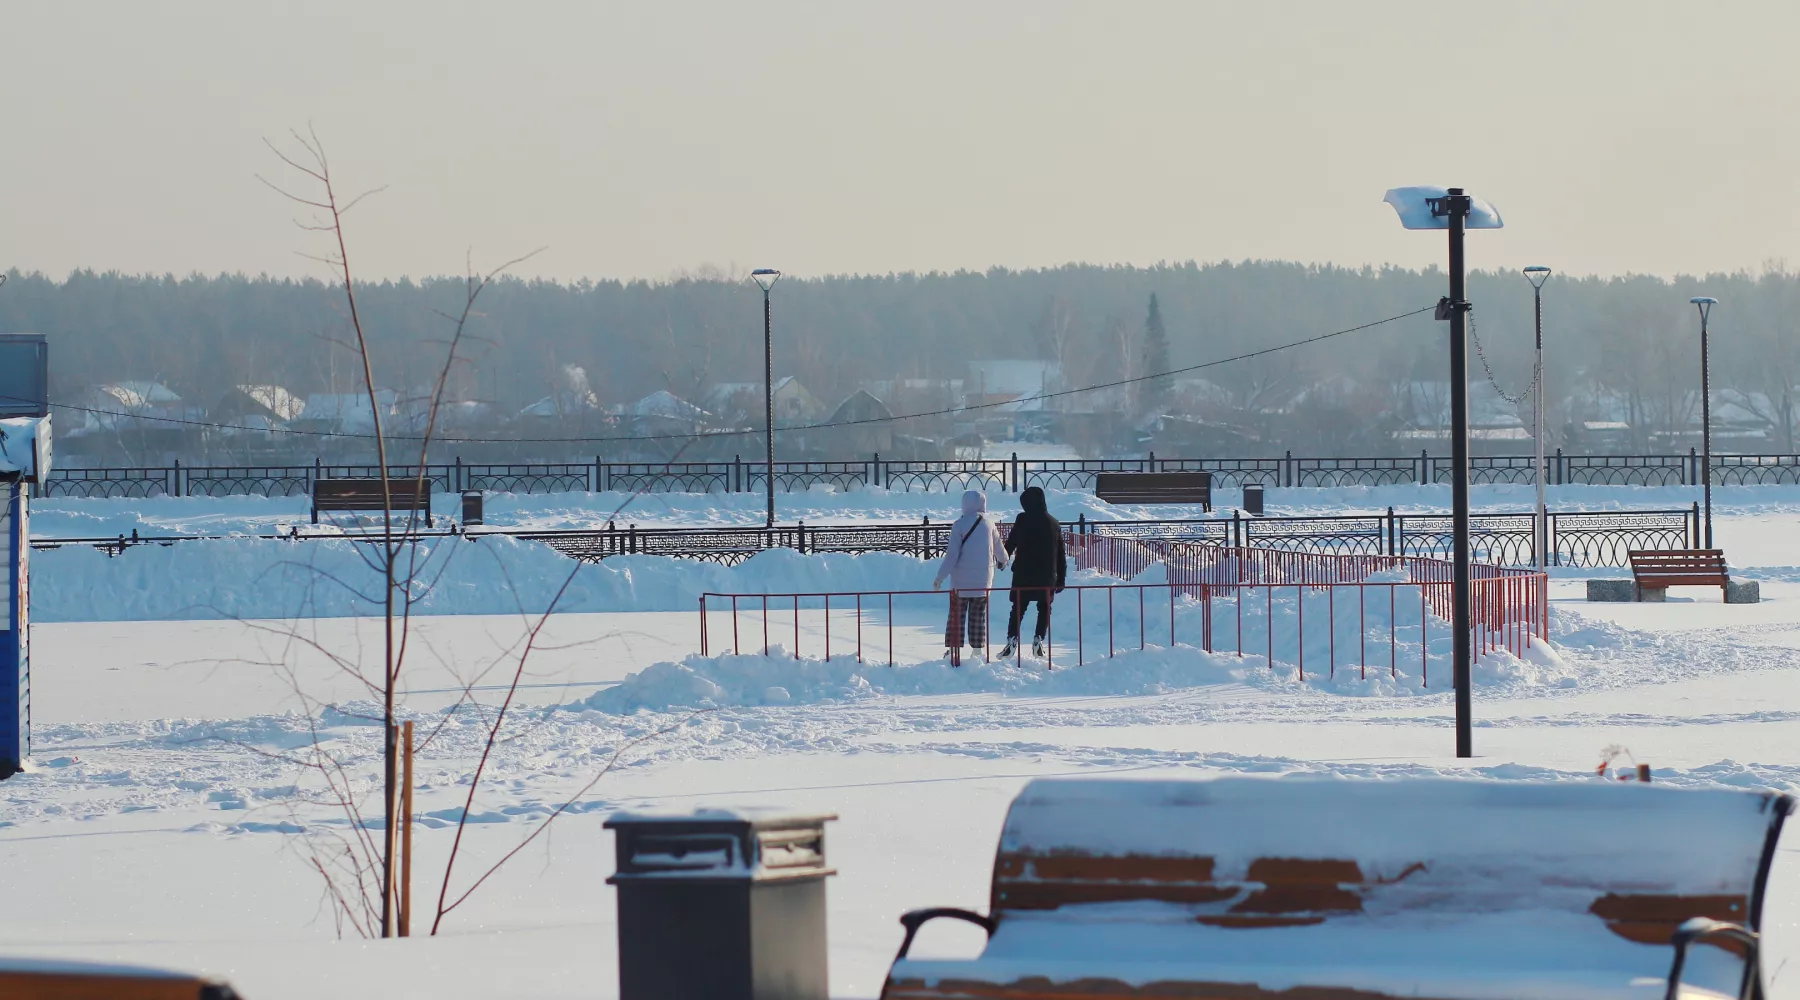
<point>444,439</point>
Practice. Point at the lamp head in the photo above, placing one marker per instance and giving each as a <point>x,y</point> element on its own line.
<point>765,277</point>
<point>1704,303</point>
<point>1537,274</point>
<point>1425,207</point>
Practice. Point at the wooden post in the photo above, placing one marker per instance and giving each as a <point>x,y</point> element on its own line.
<point>406,828</point>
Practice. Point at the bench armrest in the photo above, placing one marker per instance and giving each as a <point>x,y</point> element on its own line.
<point>1715,931</point>
<point>912,920</point>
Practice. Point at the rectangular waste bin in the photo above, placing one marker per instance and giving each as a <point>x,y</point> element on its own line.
<point>471,512</point>
<point>1253,498</point>
<point>721,905</point>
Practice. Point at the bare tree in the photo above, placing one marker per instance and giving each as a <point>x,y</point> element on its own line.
<point>396,558</point>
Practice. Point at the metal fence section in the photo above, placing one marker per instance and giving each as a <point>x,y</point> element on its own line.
<point>1009,473</point>
<point>1366,611</point>
<point>1577,538</point>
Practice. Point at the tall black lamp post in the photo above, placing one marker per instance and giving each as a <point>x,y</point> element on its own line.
<point>1437,208</point>
<point>765,278</point>
<point>1704,303</point>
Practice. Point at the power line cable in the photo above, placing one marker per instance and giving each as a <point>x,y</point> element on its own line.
<point>947,411</point>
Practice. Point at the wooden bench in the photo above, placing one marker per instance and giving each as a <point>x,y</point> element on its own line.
<point>408,495</point>
<point>1155,487</point>
<point>1680,568</point>
<point>1331,889</point>
<point>32,979</point>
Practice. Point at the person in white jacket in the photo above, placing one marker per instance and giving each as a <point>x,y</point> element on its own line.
<point>974,551</point>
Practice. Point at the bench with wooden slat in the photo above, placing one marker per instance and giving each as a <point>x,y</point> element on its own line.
<point>407,495</point>
<point>1155,487</point>
<point>34,979</point>
<point>1330,889</point>
<point>1680,568</point>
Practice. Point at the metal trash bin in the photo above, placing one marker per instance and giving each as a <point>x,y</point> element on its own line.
<point>471,513</point>
<point>721,905</point>
<point>1253,498</point>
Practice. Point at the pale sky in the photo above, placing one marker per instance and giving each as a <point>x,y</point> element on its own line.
<point>637,140</point>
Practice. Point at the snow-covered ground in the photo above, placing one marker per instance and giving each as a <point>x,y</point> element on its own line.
<point>250,578</point>
<point>84,518</point>
<point>164,825</point>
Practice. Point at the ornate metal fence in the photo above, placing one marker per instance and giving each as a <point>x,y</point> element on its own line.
<point>1577,538</point>
<point>120,482</point>
<point>1009,473</point>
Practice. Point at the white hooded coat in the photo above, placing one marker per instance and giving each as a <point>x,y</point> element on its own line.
<point>975,549</point>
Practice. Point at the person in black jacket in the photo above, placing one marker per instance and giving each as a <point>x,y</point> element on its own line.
<point>1039,568</point>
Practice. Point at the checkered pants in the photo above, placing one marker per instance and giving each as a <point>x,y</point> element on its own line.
<point>975,609</point>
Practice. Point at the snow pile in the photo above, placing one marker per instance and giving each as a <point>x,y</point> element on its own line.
<point>25,446</point>
<point>779,679</point>
<point>253,578</point>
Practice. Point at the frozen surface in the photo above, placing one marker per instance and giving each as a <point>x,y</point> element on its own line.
<point>164,824</point>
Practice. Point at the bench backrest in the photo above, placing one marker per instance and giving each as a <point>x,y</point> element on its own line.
<point>1153,487</point>
<point>1709,563</point>
<point>1247,852</point>
<point>368,494</point>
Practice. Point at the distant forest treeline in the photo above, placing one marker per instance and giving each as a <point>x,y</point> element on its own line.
<point>1632,341</point>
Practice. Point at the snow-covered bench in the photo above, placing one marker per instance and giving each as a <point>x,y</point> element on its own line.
<point>33,979</point>
<point>1323,889</point>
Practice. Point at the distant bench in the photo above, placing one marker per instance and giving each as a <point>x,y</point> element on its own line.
<point>407,495</point>
<point>1331,889</point>
<point>1155,487</point>
<point>1680,568</point>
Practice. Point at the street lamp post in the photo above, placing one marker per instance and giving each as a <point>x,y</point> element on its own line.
<point>765,278</point>
<point>1705,303</point>
<point>1452,209</point>
<point>1537,274</point>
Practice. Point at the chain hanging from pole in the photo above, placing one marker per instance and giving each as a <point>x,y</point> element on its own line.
<point>1537,374</point>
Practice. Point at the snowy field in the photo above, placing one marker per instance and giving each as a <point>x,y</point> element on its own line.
<point>83,518</point>
<point>162,823</point>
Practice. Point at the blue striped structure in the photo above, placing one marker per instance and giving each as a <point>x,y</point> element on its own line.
<point>15,635</point>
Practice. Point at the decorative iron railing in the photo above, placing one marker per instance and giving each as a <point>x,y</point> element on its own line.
<point>1576,538</point>
<point>1010,473</point>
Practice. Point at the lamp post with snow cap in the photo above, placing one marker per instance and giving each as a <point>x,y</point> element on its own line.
<point>765,278</point>
<point>1704,303</point>
<point>1537,274</point>
<point>1428,207</point>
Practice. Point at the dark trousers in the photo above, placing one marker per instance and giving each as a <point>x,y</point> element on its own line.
<point>1021,598</point>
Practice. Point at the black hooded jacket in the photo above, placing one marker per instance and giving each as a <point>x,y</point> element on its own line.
<point>1036,544</point>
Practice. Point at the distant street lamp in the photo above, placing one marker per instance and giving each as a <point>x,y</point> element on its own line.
<point>1537,274</point>
<point>765,278</point>
<point>1705,303</point>
<point>1437,208</point>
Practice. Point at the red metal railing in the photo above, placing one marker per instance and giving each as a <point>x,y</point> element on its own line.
<point>1209,593</point>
